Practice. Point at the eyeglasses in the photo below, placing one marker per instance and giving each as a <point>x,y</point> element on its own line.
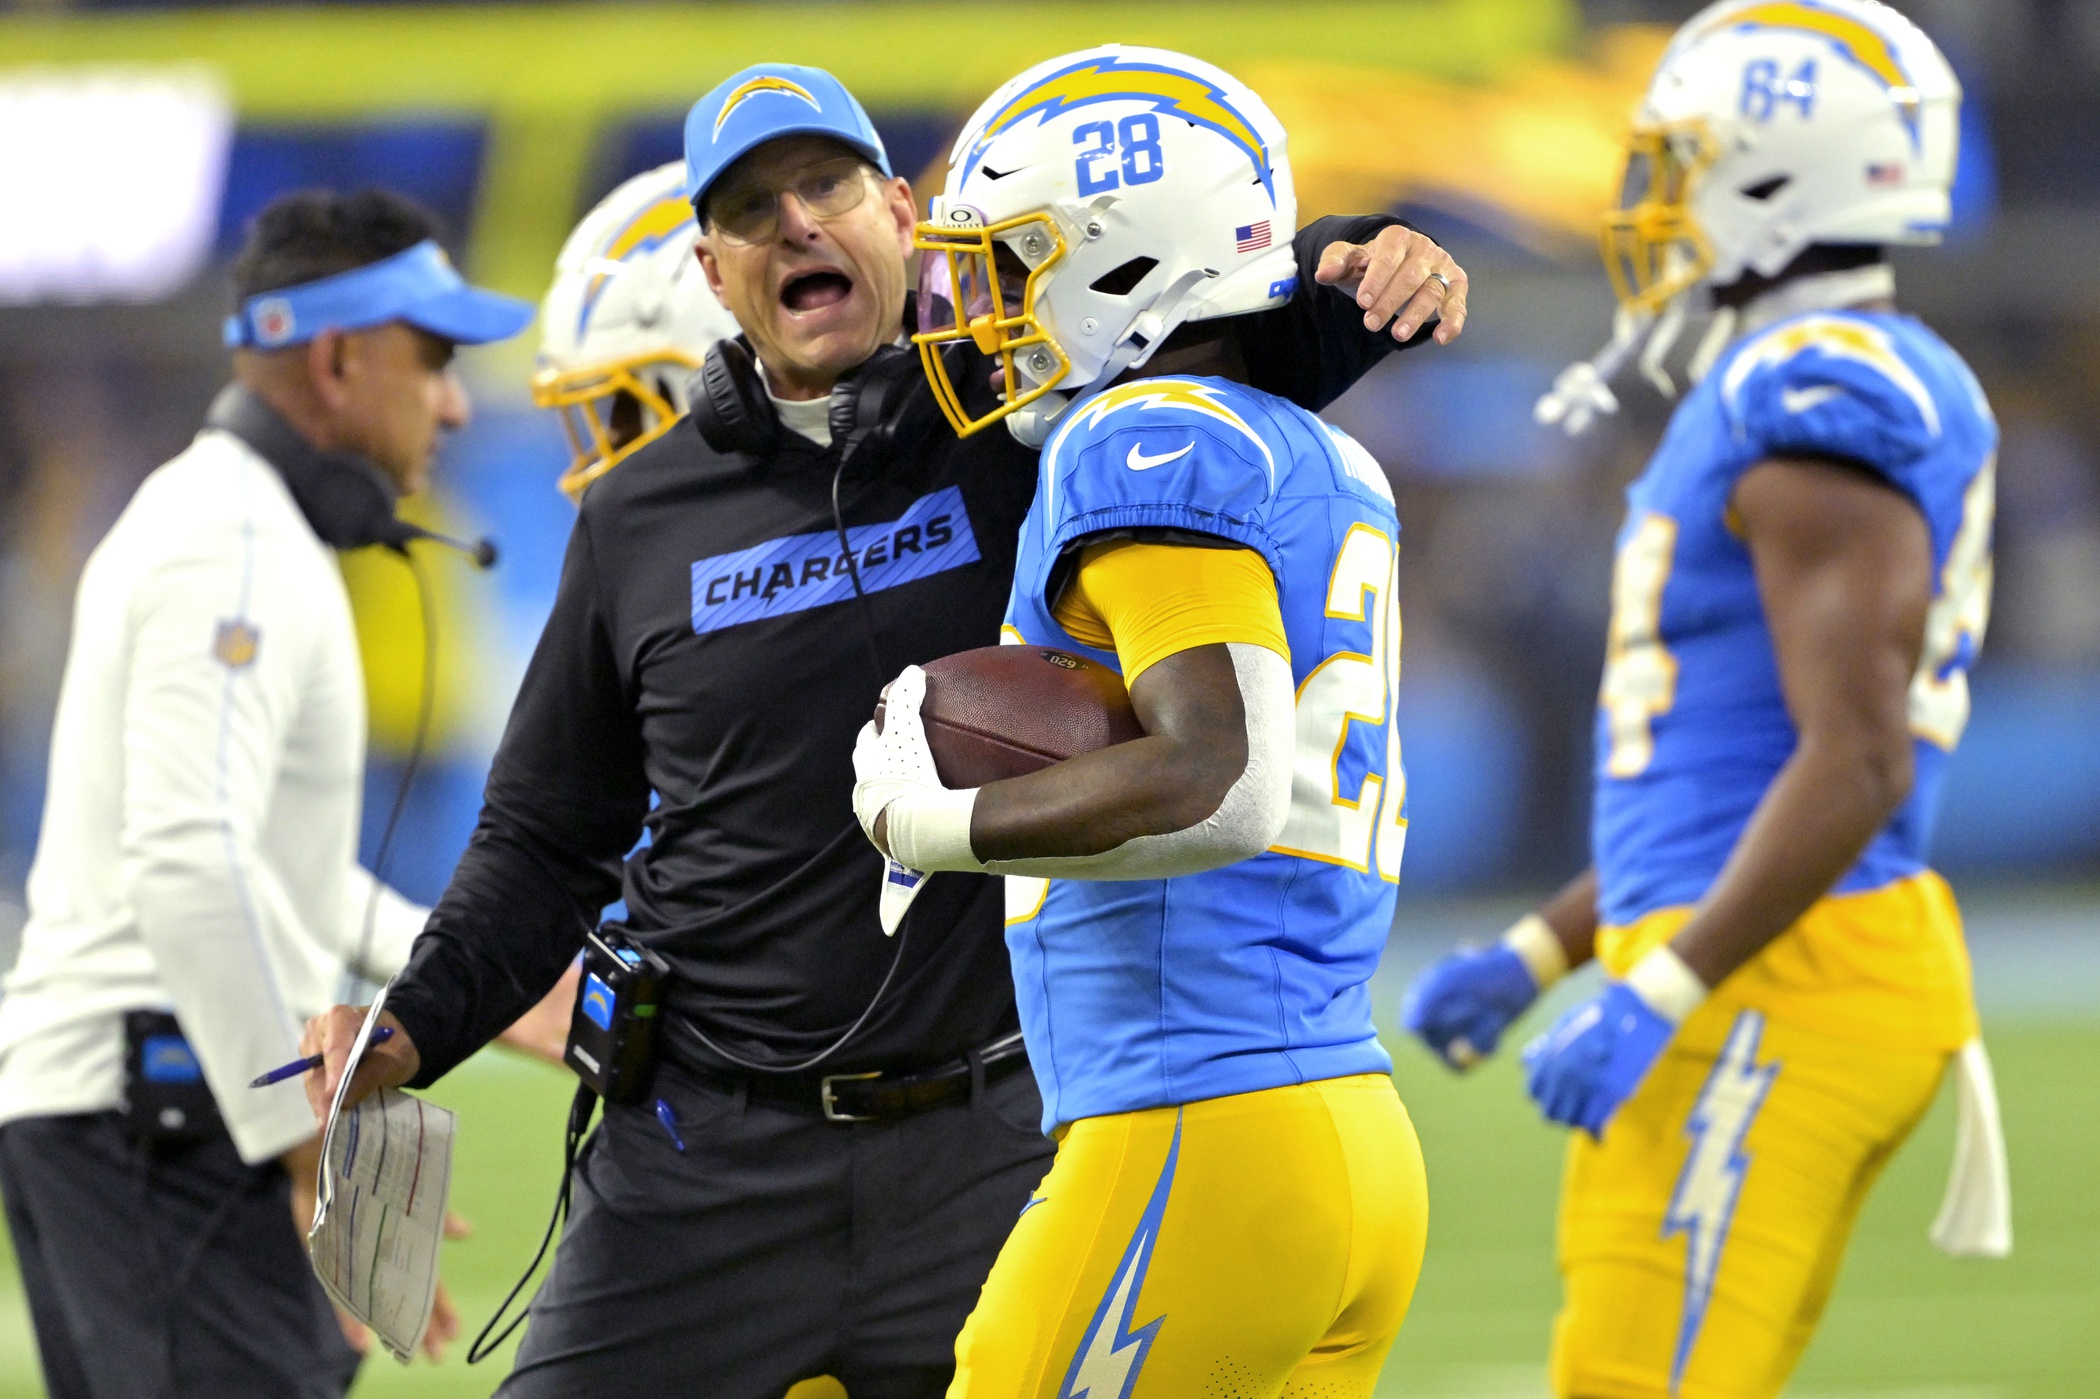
<point>750,213</point>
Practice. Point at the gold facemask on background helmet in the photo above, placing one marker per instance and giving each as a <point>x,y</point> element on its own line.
<point>963,296</point>
<point>1652,244</point>
<point>586,400</point>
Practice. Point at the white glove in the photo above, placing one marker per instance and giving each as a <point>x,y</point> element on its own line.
<point>929,824</point>
<point>1578,397</point>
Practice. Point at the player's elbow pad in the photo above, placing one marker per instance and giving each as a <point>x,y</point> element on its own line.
<point>1249,819</point>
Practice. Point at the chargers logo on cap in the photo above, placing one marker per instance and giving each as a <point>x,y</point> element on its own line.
<point>1170,91</point>
<point>769,83</point>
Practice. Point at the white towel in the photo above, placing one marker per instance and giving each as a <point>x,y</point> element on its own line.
<point>1975,1219</point>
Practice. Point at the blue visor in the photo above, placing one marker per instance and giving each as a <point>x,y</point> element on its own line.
<point>418,286</point>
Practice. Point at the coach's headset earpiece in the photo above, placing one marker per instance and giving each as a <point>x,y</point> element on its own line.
<point>729,402</point>
<point>882,403</point>
<point>875,406</point>
<point>346,499</point>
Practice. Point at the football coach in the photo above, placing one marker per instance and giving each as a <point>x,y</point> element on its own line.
<point>195,895</point>
<point>842,1127</point>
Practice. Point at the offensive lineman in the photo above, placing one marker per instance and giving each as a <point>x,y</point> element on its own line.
<point>1802,584</point>
<point>1237,1204</point>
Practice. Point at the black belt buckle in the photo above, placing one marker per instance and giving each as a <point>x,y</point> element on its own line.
<point>829,1101</point>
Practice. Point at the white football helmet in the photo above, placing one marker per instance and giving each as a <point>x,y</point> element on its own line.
<point>1771,125</point>
<point>627,321</point>
<point>1092,205</point>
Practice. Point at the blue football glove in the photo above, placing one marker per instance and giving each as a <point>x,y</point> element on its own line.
<point>1460,1006</point>
<point>1594,1057</point>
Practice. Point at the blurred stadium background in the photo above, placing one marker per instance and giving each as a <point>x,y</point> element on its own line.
<point>136,139</point>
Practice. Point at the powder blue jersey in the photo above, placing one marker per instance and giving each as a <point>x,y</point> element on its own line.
<point>1143,993</point>
<point>1691,724</point>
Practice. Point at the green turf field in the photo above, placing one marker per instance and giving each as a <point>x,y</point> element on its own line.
<point>1906,1323</point>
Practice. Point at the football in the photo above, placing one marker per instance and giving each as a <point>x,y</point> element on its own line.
<point>1002,711</point>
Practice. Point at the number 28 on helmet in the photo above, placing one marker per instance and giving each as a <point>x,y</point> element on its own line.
<point>1092,205</point>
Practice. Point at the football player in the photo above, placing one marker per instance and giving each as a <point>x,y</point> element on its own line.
<point>1801,587</point>
<point>627,322</point>
<point>1237,1197</point>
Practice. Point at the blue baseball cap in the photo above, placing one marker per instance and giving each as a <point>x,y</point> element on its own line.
<point>418,285</point>
<point>766,101</point>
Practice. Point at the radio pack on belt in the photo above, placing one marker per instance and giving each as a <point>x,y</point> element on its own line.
<point>166,1100</point>
<point>612,1034</point>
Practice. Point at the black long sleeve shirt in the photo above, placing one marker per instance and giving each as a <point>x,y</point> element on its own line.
<point>705,649</point>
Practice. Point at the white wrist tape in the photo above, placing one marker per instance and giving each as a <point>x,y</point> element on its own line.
<point>1538,949</point>
<point>1671,989</point>
<point>929,829</point>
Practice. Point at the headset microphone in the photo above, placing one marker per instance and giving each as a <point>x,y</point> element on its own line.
<point>482,551</point>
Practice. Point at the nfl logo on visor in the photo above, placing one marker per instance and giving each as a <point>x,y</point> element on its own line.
<point>274,324</point>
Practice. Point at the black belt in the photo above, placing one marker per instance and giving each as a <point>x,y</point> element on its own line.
<point>878,1095</point>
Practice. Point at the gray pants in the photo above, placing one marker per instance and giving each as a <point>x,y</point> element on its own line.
<point>778,1247</point>
<point>163,1276</point>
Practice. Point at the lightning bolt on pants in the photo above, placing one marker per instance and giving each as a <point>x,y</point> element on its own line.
<point>1700,1239</point>
<point>1264,1245</point>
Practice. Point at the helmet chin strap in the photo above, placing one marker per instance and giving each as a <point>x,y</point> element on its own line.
<point>1582,392</point>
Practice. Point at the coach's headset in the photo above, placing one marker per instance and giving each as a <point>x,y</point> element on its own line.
<point>877,406</point>
<point>346,499</point>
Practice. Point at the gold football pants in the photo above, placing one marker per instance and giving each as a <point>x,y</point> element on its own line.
<point>1248,1247</point>
<point>1699,1240</point>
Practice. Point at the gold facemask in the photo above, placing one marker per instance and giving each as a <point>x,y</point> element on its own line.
<point>965,294</point>
<point>1653,246</point>
<point>586,399</point>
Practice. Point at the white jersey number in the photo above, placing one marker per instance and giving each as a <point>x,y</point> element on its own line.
<point>1640,674</point>
<point>1365,828</point>
<point>1939,692</point>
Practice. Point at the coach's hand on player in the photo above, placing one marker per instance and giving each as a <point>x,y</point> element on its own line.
<point>1400,276</point>
<point>1460,1005</point>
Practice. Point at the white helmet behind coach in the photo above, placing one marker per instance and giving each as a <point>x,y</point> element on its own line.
<point>627,321</point>
<point>1092,205</point>
<point>1769,127</point>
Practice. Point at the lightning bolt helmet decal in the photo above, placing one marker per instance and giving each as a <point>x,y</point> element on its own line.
<point>1113,78</point>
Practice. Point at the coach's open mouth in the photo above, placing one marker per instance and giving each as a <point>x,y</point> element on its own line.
<point>813,291</point>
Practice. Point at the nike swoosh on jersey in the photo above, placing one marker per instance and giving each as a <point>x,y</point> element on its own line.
<point>1138,461</point>
<point>1801,400</point>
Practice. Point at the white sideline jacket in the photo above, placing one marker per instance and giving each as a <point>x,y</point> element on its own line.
<point>199,840</point>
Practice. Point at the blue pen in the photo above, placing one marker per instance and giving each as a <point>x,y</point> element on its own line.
<point>669,1119</point>
<point>380,1035</point>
